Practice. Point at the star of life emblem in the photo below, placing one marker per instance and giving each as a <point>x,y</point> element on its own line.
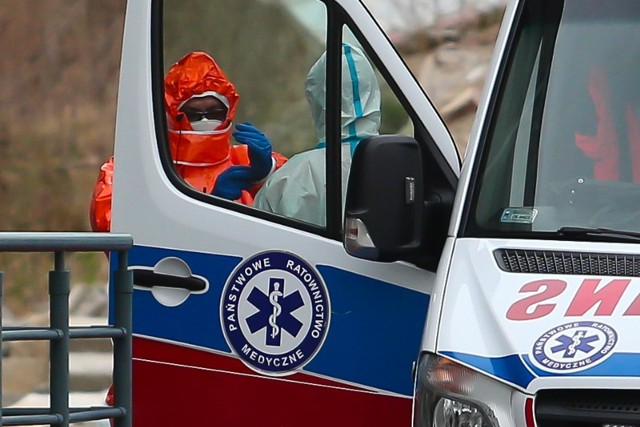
<point>574,346</point>
<point>275,312</point>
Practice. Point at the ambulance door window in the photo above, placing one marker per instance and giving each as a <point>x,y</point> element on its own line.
<point>229,63</point>
<point>234,76</point>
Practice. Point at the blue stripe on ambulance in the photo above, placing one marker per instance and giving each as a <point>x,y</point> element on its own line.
<point>372,342</point>
<point>513,370</point>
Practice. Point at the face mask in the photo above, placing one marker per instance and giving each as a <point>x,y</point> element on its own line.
<point>205,125</point>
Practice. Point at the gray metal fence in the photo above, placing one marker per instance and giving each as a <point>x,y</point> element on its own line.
<point>59,332</point>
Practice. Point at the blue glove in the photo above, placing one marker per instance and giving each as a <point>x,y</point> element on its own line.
<point>232,181</point>
<point>259,149</point>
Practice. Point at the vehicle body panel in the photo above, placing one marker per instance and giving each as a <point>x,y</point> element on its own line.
<point>369,318</point>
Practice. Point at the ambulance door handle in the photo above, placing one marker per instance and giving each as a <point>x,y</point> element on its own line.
<point>149,279</point>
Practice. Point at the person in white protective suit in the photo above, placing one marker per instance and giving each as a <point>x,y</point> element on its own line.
<point>298,189</point>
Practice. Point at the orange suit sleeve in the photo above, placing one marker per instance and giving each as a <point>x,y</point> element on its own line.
<point>100,209</point>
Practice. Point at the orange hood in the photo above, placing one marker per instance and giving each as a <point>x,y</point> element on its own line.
<point>197,73</point>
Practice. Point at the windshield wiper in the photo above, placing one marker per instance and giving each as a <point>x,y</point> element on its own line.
<point>599,231</point>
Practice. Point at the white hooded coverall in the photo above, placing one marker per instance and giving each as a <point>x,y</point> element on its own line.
<point>298,189</point>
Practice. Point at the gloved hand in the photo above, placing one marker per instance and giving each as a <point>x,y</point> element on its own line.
<point>231,182</point>
<point>259,147</point>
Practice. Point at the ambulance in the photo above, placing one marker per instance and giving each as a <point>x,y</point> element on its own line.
<point>501,290</point>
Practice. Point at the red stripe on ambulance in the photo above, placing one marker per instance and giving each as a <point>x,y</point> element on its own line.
<point>187,380</point>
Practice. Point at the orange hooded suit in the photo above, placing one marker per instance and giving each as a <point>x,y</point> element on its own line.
<point>199,157</point>
<point>605,147</point>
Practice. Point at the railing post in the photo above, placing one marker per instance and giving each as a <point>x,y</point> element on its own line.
<point>1,328</point>
<point>59,289</point>
<point>122,351</point>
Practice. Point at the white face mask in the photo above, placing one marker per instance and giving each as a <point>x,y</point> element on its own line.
<point>205,125</point>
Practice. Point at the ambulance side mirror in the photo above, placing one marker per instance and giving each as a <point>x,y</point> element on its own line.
<point>384,209</point>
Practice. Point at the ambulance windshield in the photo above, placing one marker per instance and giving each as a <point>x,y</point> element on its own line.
<point>563,144</point>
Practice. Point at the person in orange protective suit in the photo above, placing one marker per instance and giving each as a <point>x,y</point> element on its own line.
<point>201,103</point>
<point>616,141</point>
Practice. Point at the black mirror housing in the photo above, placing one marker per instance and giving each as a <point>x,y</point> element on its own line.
<point>384,210</point>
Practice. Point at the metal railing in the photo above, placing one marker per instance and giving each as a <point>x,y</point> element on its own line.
<point>59,333</point>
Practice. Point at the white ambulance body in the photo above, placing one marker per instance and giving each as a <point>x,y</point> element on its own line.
<point>501,292</point>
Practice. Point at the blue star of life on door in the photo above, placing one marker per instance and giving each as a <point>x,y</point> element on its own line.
<point>275,312</point>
